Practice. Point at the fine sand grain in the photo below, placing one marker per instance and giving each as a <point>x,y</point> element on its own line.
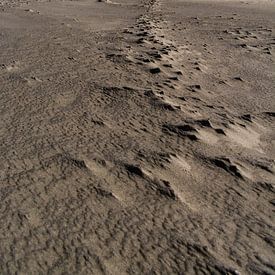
<point>137,137</point>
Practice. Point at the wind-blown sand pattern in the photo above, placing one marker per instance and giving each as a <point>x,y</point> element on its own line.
<point>137,137</point>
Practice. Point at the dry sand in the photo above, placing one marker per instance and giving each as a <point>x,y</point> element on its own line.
<point>137,137</point>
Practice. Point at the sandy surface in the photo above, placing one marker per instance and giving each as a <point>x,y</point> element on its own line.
<point>137,137</point>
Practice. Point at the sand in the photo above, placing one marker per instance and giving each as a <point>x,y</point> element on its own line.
<point>137,137</point>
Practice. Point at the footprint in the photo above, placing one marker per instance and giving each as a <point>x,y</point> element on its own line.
<point>155,70</point>
<point>165,189</point>
<point>227,165</point>
<point>247,117</point>
<point>104,193</point>
<point>204,123</point>
<point>194,88</point>
<point>238,78</point>
<point>161,102</point>
<point>167,178</point>
<point>134,170</point>
<point>183,130</point>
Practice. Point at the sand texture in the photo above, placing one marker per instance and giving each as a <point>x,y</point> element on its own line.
<point>137,137</point>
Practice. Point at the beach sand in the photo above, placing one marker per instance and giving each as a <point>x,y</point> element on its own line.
<point>137,137</point>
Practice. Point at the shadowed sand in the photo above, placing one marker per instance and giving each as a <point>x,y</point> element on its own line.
<point>137,137</point>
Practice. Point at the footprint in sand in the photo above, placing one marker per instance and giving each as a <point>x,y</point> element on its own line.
<point>235,168</point>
